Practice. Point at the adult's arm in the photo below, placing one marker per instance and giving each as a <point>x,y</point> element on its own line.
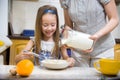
<point>113,20</point>
<point>67,19</point>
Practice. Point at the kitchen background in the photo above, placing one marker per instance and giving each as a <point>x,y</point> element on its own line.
<point>22,14</point>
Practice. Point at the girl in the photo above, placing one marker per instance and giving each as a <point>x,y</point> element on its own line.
<point>46,41</point>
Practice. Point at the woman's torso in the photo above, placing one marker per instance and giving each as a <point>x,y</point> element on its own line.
<point>89,17</point>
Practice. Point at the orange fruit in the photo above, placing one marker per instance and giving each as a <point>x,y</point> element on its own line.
<point>24,67</point>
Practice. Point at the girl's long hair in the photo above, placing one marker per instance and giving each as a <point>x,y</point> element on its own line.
<point>38,30</point>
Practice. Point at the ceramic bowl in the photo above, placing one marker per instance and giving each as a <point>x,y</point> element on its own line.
<point>55,64</point>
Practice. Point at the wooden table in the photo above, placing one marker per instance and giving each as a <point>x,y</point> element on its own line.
<point>73,73</point>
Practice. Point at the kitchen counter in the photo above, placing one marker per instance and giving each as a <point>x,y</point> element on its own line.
<point>73,73</point>
<point>17,36</point>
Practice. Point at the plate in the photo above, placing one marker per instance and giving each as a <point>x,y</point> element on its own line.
<point>55,64</point>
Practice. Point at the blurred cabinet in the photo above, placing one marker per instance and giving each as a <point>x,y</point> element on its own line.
<point>17,46</point>
<point>117,52</point>
<point>117,46</point>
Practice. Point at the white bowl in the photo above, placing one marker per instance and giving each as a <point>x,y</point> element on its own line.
<point>55,64</point>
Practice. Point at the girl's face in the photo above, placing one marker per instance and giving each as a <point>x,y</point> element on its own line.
<point>49,25</point>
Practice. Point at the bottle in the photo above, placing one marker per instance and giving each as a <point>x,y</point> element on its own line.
<point>78,40</point>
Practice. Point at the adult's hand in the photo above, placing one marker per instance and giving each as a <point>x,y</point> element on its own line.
<point>94,38</point>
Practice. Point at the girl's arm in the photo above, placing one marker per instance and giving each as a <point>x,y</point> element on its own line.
<point>24,54</point>
<point>29,46</point>
<point>66,57</point>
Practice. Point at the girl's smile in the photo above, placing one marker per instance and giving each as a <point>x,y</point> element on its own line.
<point>49,25</point>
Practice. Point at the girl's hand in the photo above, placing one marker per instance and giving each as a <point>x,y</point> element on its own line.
<point>71,62</point>
<point>23,55</point>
